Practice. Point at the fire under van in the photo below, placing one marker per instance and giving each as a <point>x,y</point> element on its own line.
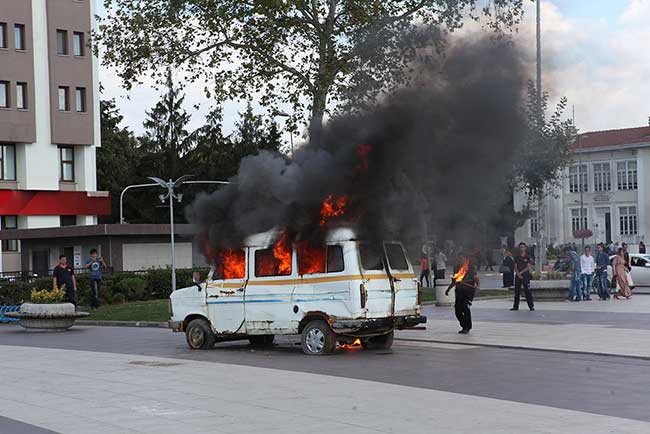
<point>337,292</point>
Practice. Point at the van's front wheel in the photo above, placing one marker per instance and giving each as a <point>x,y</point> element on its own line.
<point>381,342</point>
<point>317,339</point>
<point>199,335</point>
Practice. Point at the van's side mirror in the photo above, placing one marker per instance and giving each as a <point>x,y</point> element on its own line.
<point>196,278</point>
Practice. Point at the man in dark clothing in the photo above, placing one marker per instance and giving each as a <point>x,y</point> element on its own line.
<point>523,265</point>
<point>465,291</point>
<point>602,261</point>
<point>63,277</point>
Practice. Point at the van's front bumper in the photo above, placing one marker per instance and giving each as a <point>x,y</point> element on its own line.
<point>374,325</point>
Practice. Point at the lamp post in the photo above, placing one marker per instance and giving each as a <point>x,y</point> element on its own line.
<point>582,188</point>
<point>285,115</point>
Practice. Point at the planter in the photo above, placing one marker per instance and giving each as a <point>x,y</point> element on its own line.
<point>549,290</point>
<point>445,300</point>
<point>47,317</point>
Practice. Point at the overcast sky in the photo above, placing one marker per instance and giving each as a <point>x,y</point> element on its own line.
<point>595,52</point>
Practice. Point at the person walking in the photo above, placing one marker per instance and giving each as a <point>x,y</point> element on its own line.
<point>587,268</point>
<point>489,260</point>
<point>63,278</point>
<point>626,257</point>
<point>523,266</point>
<point>95,265</point>
<point>573,262</point>
<point>507,269</point>
<point>441,264</point>
<point>620,274</point>
<point>602,261</point>
<point>641,247</point>
<point>424,273</point>
<point>465,291</point>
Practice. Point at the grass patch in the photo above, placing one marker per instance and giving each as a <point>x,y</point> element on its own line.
<point>153,310</point>
<point>429,294</point>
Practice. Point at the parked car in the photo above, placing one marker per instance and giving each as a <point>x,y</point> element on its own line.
<point>640,269</point>
<point>350,290</point>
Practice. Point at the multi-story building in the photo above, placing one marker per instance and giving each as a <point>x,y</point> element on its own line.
<point>49,123</point>
<point>606,189</point>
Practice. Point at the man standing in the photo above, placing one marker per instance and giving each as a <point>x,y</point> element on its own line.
<point>602,261</point>
<point>63,278</point>
<point>573,261</point>
<point>465,291</point>
<point>441,264</point>
<point>587,267</point>
<point>523,266</point>
<point>95,265</point>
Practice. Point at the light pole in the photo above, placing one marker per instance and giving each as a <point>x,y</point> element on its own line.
<point>285,115</point>
<point>582,188</point>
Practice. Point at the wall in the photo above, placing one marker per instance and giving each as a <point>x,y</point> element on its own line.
<point>139,256</point>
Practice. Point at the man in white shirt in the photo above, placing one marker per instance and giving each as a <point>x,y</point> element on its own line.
<point>587,266</point>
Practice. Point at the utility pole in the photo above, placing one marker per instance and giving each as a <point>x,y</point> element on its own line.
<point>539,50</point>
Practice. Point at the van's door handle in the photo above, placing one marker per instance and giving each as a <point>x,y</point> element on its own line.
<point>240,289</point>
<point>396,279</point>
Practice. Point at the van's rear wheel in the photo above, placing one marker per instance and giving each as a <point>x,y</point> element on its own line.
<point>317,339</point>
<point>261,340</point>
<point>199,335</point>
<point>381,342</point>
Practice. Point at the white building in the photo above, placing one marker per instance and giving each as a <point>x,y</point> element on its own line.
<point>610,177</point>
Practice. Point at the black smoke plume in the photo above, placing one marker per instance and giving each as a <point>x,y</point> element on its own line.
<point>439,153</point>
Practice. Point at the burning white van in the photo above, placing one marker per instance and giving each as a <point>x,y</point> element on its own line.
<point>340,291</point>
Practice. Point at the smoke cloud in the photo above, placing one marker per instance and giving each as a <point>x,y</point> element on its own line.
<point>434,156</point>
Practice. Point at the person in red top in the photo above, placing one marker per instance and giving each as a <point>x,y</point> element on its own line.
<point>424,275</point>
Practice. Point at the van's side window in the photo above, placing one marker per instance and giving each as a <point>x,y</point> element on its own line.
<point>396,257</point>
<point>370,257</point>
<point>230,264</point>
<point>311,258</point>
<point>335,259</point>
<point>266,264</point>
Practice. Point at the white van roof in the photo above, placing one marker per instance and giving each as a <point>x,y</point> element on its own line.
<point>267,238</point>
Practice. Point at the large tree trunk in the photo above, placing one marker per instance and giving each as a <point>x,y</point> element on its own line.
<point>316,121</point>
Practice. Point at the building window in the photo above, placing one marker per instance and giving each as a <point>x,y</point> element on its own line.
<point>21,96</point>
<point>628,221</point>
<point>62,42</point>
<point>78,44</point>
<point>578,219</point>
<point>19,36</point>
<point>66,155</point>
<point>602,177</point>
<point>4,94</point>
<point>627,175</point>
<point>64,98</point>
<point>68,220</point>
<point>3,35</point>
<point>8,162</point>
<point>9,222</point>
<point>578,179</point>
<point>534,224</point>
<point>80,99</point>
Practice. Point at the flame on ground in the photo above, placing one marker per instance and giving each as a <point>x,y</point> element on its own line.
<point>333,206</point>
<point>353,345</point>
<point>460,274</point>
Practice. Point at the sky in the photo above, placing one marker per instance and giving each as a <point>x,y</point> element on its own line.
<point>594,53</point>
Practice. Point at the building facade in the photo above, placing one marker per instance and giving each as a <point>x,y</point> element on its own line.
<point>49,123</point>
<point>606,189</point>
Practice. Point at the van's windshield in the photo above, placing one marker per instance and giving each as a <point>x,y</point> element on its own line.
<point>371,256</point>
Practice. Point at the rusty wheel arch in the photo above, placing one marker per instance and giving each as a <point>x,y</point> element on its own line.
<point>192,317</point>
<point>313,315</point>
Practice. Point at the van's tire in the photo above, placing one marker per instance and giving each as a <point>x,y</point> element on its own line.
<point>199,335</point>
<point>261,341</point>
<point>317,339</point>
<point>381,342</point>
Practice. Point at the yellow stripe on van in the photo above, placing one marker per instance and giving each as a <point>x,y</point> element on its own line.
<point>310,280</point>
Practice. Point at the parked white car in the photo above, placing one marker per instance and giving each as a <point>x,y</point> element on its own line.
<point>640,269</point>
<point>351,290</point>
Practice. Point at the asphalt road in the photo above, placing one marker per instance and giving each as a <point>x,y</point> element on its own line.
<point>606,385</point>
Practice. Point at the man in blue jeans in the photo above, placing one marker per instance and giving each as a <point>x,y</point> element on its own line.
<point>95,265</point>
<point>575,290</point>
<point>602,261</point>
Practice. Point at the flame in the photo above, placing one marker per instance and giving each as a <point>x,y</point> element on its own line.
<point>311,258</point>
<point>282,254</point>
<point>333,206</point>
<point>234,264</point>
<point>460,274</point>
<point>354,345</point>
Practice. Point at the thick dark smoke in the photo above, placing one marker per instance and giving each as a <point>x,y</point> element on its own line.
<point>441,152</point>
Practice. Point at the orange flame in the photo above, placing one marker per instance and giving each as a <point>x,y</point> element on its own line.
<point>460,274</point>
<point>282,254</point>
<point>311,259</point>
<point>234,264</point>
<point>333,206</point>
<point>354,345</point>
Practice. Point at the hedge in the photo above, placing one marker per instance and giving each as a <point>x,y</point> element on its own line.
<point>116,287</point>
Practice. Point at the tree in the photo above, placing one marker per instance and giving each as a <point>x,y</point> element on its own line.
<point>115,168</point>
<point>306,54</point>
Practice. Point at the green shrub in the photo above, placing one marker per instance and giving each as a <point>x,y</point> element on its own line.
<point>133,288</point>
<point>118,298</point>
<point>14,293</point>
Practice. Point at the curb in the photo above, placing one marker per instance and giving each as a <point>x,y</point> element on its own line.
<point>150,324</point>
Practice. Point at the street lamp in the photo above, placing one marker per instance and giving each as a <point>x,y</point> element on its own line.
<point>285,115</point>
<point>582,201</point>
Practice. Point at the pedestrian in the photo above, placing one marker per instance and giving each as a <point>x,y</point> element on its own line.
<point>489,260</point>
<point>95,265</point>
<point>465,291</point>
<point>507,269</point>
<point>523,266</point>
<point>628,259</point>
<point>573,263</point>
<point>63,278</point>
<point>587,268</point>
<point>441,264</point>
<point>620,274</point>
<point>641,247</point>
<point>424,274</point>
<point>611,248</point>
<point>602,261</point>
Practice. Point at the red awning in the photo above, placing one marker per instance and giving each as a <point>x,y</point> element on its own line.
<point>29,202</point>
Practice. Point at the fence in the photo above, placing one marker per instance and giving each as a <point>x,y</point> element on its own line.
<point>30,275</point>
<point>7,309</point>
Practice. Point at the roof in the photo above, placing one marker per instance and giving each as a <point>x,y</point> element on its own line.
<point>613,139</point>
<point>265,239</point>
<point>96,230</point>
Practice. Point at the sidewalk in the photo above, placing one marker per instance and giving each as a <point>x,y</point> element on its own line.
<point>124,394</point>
